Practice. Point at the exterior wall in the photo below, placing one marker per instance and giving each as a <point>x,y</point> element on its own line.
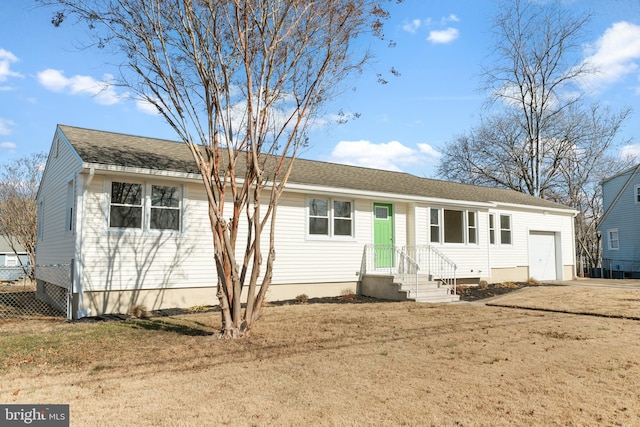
<point>622,217</point>
<point>55,245</point>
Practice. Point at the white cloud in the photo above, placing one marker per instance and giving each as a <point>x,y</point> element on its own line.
<point>443,36</point>
<point>101,90</point>
<point>614,55</point>
<point>389,156</point>
<point>412,27</point>
<point>146,107</point>
<point>9,146</point>
<point>429,150</point>
<point>5,126</point>
<point>6,59</point>
<point>630,151</point>
<point>450,18</point>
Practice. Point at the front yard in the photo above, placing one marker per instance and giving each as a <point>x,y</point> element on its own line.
<point>344,364</point>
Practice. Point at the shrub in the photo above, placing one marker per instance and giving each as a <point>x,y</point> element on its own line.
<point>138,311</point>
<point>302,299</point>
<point>347,295</point>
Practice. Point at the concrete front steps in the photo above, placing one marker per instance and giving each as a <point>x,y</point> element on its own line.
<point>391,288</point>
<point>429,291</point>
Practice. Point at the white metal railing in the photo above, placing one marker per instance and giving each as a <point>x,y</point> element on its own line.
<point>406,262</point>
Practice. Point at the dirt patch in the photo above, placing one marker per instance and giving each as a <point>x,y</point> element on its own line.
<point>337,364</point>
<point>484,291</point>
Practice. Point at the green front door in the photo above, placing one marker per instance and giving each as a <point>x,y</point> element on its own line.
<point>383,234</point>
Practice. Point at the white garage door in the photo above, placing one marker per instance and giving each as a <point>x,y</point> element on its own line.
<point>542,255</point>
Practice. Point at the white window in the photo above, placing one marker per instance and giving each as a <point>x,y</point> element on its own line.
<point>434,220</point>
<point>453,226</point>
<point>165,208</point>
<point>492,229</point>
<point>505,229</point>
<point>145,207</point>
<point>125,210</point>
<point>636,193</point>
<point>472,229</point>
<point>614,242</point>
<point>10,260</point>
<point>329,218</point>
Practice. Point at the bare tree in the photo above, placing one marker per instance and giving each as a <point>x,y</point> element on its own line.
<point>240,81</point>
<point>541,138</point>
<point>19,182</point>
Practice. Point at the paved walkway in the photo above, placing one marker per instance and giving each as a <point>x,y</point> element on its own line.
<point>605,283</point>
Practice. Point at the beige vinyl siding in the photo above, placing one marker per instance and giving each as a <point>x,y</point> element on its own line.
<point>55,245</point>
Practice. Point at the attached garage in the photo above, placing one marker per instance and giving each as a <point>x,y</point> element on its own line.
<point>543,255</point>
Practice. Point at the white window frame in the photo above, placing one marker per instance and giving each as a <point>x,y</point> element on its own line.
<point>145,226</point>
<point>331,218</point>
<point>439,228</point>
<point>610,240</point>
<point>510,229</point>
<point>636,194</point>
<point>435,228</point>
<point>492,229</point>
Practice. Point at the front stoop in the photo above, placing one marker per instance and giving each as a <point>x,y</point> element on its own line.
<point>429,291</point>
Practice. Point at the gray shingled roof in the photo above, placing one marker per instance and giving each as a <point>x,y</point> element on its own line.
<point>108,148</point>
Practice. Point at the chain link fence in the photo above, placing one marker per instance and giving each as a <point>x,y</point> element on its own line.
<point>47,296</point>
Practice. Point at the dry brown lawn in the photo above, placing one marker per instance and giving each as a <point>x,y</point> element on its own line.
<point>345,364</point>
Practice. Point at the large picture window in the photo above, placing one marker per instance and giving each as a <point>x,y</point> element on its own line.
<point>330,217</point>
<point>126,205</point>
<point>453,226</point>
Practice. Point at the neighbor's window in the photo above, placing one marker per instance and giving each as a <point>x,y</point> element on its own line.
<point>472,229</point>
<point>342,220</point>
<point>505,229</point>
<point>434,221</point>
<point>165,208</point>
<point>453,226</point>
<point>614,242</point>
<point>637,193</point>
<point>11,261</point>
<point>126,205</point>
<point>492,229</point>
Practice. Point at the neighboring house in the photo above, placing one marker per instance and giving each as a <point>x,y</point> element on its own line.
<point>10,263</point>
<point>620,225</point>
<point>132,214</point>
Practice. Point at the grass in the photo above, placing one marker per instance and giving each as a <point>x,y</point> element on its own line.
<point>337,364</point>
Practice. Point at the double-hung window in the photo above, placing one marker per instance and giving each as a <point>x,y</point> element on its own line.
<point>492,229</point>
<point>165,208</point>
<point>145,207</point>
<point>329,218</point>
<point>505,229</point>
<point>434,221</point>
<point>614,239</point>
<point>125,210</point>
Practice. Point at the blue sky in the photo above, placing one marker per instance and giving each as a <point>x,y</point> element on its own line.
<point>46,79</point>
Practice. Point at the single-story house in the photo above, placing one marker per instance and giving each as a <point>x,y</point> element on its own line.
<point>131,212</point>
<point>619,227</point>
<point>10,262</point>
